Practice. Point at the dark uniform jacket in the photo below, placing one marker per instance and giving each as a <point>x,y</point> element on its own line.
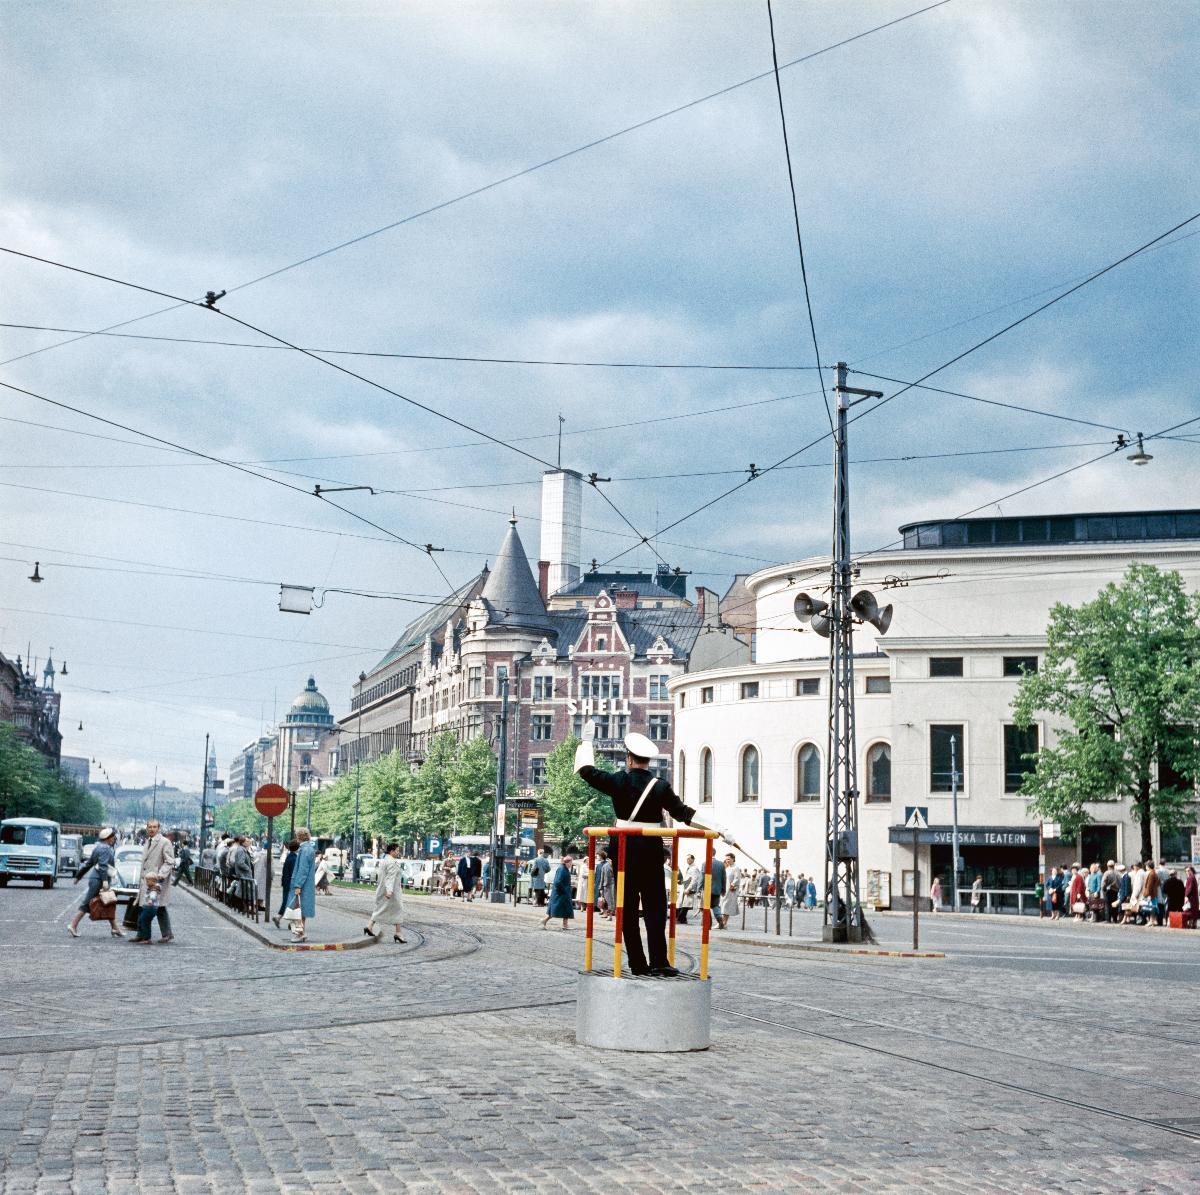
<point>625,789</point>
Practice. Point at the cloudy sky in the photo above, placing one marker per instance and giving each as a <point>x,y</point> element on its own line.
<point>953,172</point>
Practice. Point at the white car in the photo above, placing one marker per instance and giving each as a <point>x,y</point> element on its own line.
<point>368,869</point>
<point>128,879</point>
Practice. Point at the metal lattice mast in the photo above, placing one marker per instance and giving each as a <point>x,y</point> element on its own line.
<point>843,909</point>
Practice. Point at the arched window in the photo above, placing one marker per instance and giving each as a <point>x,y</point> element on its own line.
<point>808,773</point>
<point>706,777</point>
<point>749,775</point>
<point>681,776</point>
<point>879,773</point>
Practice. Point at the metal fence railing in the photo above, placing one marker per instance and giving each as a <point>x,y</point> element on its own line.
<point>238,894</point>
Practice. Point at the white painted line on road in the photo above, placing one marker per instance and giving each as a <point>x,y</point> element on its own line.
<point>1058,958</point>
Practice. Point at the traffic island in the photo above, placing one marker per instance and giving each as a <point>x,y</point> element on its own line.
<point>330,924</point>
<point>642,1014</point>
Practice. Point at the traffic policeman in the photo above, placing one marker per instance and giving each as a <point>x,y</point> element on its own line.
<point>639,799</point>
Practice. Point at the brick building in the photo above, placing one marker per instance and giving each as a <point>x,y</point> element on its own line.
<point>596,651</point>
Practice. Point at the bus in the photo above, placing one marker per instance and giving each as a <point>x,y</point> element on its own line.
<point>29,850</point>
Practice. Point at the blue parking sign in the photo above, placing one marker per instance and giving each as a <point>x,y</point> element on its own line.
<point>777,824</point>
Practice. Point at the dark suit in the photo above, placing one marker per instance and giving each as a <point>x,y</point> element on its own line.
<point>643,858</point>
<point>466,876</point>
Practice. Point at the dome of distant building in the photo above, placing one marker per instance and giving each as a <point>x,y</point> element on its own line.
<point>310,708</point>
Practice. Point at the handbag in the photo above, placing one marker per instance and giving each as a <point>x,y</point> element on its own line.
<point>1079,907</point>
<point>292,913</point>
<point>106,896</point>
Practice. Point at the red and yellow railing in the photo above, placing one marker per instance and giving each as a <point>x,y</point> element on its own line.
<point>621,833</point>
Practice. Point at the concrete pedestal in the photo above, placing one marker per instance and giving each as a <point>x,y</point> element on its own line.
<point>667,1016</point>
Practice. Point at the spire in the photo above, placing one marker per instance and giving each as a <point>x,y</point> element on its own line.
<point>511,593</point>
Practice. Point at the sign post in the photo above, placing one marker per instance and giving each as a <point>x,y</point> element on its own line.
<point>777,830</point>
<point>271,800</point>
<point>916,818</point>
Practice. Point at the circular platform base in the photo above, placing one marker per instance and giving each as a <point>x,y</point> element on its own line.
<point>667,1016</point>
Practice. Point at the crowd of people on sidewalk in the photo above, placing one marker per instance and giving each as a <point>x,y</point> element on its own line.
<point>1140,894</point>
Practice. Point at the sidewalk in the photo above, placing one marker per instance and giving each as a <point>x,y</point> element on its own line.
<point>332,928</point>
<point>806,926</point>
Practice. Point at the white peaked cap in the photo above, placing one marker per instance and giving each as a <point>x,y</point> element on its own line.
<point>639,745</point>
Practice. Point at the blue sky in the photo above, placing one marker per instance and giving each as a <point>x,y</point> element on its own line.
<point>948,169</point>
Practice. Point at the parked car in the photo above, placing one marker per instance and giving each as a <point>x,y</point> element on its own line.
<point>128,879</point>
<point>70,853</point>
<point>368,869</point>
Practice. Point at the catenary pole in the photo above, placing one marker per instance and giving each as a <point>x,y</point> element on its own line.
<point>843,907</point>
<point>954,814</point>
<point>498,860</point>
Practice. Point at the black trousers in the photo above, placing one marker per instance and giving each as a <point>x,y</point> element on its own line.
<point>645,891</point>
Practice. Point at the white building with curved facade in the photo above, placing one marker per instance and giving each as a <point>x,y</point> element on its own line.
<point>972,599</point>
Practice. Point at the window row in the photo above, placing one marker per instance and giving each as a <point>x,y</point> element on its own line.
<point>807,779</point>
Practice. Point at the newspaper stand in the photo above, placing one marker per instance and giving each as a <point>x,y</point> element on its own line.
<point>624,1012</point>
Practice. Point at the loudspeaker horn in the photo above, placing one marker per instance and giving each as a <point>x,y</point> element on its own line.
<point>806,606</point>
<point>864,605</point>
<point>821,624</point>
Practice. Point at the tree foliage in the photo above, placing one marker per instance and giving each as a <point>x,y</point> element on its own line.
<point>1122,672</point>
<point>452,792</point>
<point>30,786</point>
<point>569,804</point>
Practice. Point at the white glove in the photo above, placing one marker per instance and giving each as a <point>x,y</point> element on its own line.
<point>726,836</point>
<point>585,756</point>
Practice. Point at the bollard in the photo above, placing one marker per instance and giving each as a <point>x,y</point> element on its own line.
<point>743,900</point>
<point>791,914</point>
<point>766,910</point>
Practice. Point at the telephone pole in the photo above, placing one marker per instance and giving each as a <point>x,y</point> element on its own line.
<point>843,908</point>
<point>497,895</point>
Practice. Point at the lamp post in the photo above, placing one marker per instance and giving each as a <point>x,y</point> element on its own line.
<point>954,813</point>
<point>362,676</point>
<point>498,850</point>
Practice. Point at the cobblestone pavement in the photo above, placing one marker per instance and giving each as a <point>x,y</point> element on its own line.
<point>1032,1058</point>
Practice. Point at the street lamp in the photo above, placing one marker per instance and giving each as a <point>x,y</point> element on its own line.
<point>362,676</point>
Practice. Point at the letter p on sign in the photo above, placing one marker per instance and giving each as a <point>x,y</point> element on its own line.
<point>777,824</point>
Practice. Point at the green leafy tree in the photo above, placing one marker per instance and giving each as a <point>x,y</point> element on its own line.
<point>1123,673</point>
<point>472,787</point>
<point>239,817</point>
<point>431,788</point>
<point>332,807</point>
<point>30,786</point>
<point>569,804</point>
<point>386,806</point>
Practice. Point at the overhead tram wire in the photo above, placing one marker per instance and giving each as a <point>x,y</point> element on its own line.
<point>787,153</point>
<point>444,204</point>
<point>444,357</point>
<point>925,377</point>
<point>425,551</point>
<point>1117,448</point>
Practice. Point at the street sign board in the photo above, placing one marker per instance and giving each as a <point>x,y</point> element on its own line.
<point>916,817</point>
<point>272,800</point>
<point>433,845</point>
<point>777,844</point>
<point>777,823</point>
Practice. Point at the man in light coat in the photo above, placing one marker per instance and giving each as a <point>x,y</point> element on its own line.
<point>538,870</point>
<point>693,881</point>
<point>158,864</point>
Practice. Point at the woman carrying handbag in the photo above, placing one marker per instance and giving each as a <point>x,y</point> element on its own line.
<point>102,865</point>
<point>389,902</point>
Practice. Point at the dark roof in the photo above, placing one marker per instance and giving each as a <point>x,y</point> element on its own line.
<point>433,620</point>
<point>1087,528</point>
<point>511,594</point>
<point>654,586</point>
<point>679,627</point>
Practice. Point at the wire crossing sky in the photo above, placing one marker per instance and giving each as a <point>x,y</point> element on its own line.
<point>577,210</point>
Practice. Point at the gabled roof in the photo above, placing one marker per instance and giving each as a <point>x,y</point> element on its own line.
<point>433,621</point>
<point>678,628</point>
<point>511,594</point>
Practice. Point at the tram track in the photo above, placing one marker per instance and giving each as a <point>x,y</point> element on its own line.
<point>1158,1031</point>
<point>946,1068</point>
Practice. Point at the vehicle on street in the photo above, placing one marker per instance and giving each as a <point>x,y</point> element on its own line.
<point>129,872</point>
<point>418,873</point>
<point>70,853</point>
<point>29,850</point>
<point>368,869</point>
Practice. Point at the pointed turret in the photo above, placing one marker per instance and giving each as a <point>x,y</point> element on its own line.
<point>511,593</point>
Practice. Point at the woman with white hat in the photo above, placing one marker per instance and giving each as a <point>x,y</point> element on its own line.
<point>103,859</point>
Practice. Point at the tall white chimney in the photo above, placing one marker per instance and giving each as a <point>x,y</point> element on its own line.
<point>562,513</point>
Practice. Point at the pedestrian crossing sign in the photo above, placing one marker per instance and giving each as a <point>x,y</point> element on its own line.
<point>916,817</point>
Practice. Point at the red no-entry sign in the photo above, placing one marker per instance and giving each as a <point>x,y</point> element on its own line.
<point>271,800</point>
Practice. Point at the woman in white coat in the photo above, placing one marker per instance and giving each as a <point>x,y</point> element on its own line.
<point>389,902</point>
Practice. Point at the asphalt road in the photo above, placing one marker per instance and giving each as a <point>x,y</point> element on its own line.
<point>1035,1057</point>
